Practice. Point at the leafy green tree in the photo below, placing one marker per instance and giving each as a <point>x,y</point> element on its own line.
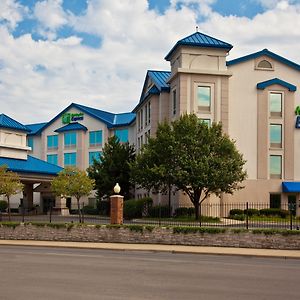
<point>113,167</point>
<point>73,182</point>
<point>152,169</point>
<point>204,161</point>
<point>10,184</point>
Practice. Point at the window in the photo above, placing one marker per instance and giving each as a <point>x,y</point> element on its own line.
<point>275,201</point>
<point>276,135</point>
<point>70,159</point>
<point>275,166</point>
<point>122,135</point>
<point>95,138</point>
<point>142,117</point>
<point>174,102</point>
<point>275,104</point>
<point>30,142</point>
<point>94,155</point>
<point>146,114</point>
<point>204,98</point>
<point>52,142</point>
<point>206,122</point>
<point>264,64</point>
<point>52,159</point>
<point>149,112</point>
<point>70,139</point>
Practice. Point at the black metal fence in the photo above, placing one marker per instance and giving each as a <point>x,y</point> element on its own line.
<point>235,215</point>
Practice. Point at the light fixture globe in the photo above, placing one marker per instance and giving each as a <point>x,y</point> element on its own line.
<point>117,188</point>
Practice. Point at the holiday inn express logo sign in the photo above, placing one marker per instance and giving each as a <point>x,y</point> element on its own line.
<point>68,118</point>
<point>297,112</point>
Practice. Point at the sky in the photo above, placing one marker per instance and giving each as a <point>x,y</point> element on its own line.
<point>97,52</point>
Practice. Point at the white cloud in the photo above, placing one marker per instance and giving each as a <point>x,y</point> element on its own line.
<point>40,78</point>
<point>51,17</point>
<point>11,12</point>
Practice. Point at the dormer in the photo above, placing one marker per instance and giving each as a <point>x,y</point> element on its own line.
<point>199,53</point>
<point>13,138</point>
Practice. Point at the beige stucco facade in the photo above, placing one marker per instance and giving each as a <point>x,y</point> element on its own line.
<point>242,105</point>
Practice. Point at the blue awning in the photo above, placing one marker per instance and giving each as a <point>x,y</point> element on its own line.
<point>291,187</point>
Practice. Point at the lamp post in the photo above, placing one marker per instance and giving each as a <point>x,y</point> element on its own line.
<point>116,206</point>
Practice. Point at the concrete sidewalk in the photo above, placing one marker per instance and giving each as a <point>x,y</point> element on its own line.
<point>159,248</point>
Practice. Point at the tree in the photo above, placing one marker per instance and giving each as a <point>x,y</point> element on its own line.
<point>113,167</point>
<point>10,184</point>
<point>205,160</point>
<point>151,169</point>
<point>72,182</point>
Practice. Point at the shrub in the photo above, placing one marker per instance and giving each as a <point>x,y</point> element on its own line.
<point>274,212</point>
<point>162,211</point>
<point>236,211</point>
<point>103,207</point>
<point>90,210</point>
<point>184,211</point>
<point>136,208</point>
<point>3,205</point>
<point>251,212</point>
<point>238,217</point>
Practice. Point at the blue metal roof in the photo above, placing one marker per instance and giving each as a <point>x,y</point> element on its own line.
<point>199,39</point>
<point>290,187</point>
<point>264,84</point>
<point>31,165</point>
<point>71,126</point>
<point>265,52</point>
<point>160,79</point>
<point>35,127</point>
<point>7,122</point>
<point>110,119</point>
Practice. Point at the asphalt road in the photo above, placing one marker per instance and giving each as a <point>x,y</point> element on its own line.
<point>57,273</point>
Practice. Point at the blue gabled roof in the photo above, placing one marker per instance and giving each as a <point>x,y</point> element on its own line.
<point>31,165</point>
<point>110,119</point>
<point>199,39</point>
<point>7,122</point>
<point>264,84</point>
<point>265,52</point>
<point>160,79</point>
<point>35,127</point>
<point>71,126</point>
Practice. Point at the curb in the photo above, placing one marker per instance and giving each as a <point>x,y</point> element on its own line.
<point>174,249</point>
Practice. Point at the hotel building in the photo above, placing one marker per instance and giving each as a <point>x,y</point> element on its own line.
<point>256,97</point>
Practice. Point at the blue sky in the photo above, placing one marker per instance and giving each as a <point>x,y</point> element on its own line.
<point>97,52</point>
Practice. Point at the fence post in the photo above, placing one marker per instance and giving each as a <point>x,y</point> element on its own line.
<point>50,214</point>
<point>247,216</point>
<point>291,220</point>
<point>159,214</point>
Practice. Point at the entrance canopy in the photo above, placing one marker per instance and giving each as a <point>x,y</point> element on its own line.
<point>291,187</point>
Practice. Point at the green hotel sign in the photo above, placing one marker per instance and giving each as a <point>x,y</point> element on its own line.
<point>297,112</point>
<point>68,118</point>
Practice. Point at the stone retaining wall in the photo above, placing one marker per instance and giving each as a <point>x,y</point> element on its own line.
<point>157,235</point>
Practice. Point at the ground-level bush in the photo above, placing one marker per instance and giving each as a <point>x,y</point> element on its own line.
<point>90,210</point>
<point>251,212</point>
<point>274,212</point>
<point>159,211</point>
<point>3,205</point>
<point>236,211</point>
<point>136,208</point>
<point>184,211</point>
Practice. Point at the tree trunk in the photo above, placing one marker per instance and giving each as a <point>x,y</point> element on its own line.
<point>8,206</point>
<point>79,212</point>
<point>197,206</point>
